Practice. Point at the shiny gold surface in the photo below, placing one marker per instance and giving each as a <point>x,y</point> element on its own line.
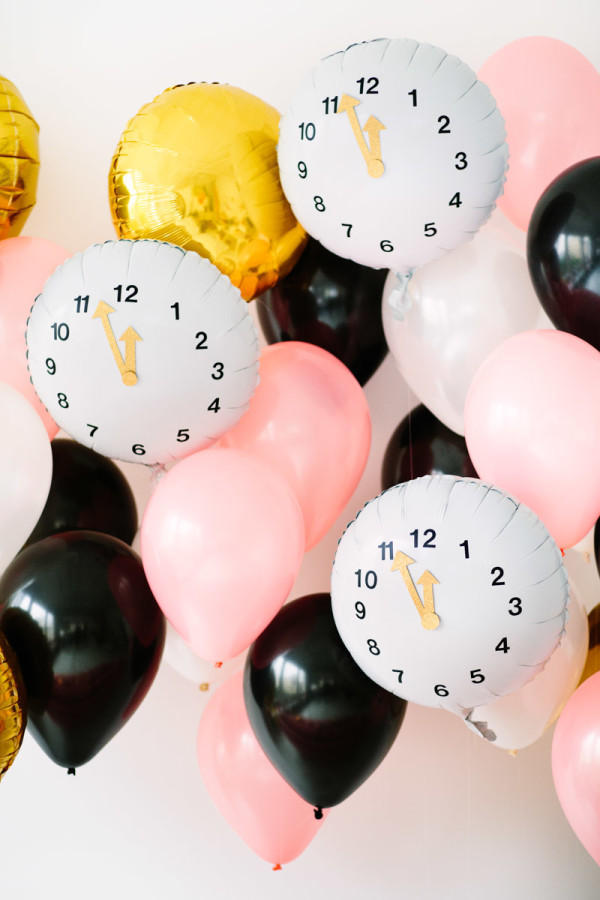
<point>13,716</point>
<point>19,160</point>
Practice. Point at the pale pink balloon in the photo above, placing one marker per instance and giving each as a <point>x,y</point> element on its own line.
<point>273,820</point>
<point>309,420</point>
<point>576,763</point>
<point>222,540</point>
<point>547,92</point>
<point>532,428</point>
<point>25,264</point>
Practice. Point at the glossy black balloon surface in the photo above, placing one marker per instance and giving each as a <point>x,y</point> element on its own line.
<point>331,302</point>
<point>563,250</point>
<point>88,491</point>
<point>322,722</point>
<point>422,445</point>
<point>88,634</point>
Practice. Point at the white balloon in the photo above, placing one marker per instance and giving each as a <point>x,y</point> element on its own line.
<point>459,308</point>
<point>392,153</point>
<point>25,471</point>
<point>521,718</point>
<point>202,672</point>
<point>142,351</point>
<point>449,592</point>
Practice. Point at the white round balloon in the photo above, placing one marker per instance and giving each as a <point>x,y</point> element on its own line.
<point>392,153</point>
<point>142,351</point>
<point>449,592</point>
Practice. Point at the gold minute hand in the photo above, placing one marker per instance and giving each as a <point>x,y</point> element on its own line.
<point>126,366</point>
<point>372,153</point>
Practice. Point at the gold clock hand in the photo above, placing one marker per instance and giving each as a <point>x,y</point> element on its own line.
<point>429,617</point>
<point>130,336</point>
<point>102,312</point>
<point>372,154</point>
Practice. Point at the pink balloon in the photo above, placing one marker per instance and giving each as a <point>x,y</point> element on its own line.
<point>532,428</point>
<point>222,540</point>
<point>546,90</point>
<point>273,820</point>
<point>576,763</point>
<point>25,264</point>
<point>308,420</point>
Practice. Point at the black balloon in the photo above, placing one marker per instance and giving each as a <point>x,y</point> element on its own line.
<point>322,722</point>
<point>331,302</point>
<point>422,445</point>
<point>563,250</point>
<point>88,491</point>
<point>88,634</point>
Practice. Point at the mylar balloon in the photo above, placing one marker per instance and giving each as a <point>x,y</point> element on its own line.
<point>391,153</point>
<point>460,307</point>
<point>331,302</point>
<point>142,351</point>
<point>531,430</point>
<point>449,592</point>
<point>13,706</point>
<point>25,264</point>
<point>323,724</point>
<point>546,90</point>
<point>198,167</point>
<point>422,445</point>
<point>89,492</point>
<point>563,250</point>
<point>222,543</point>
<point>576,763</point>
<point>25,471</point>
<point>246,788</point>
<point>19,160</point>
<point>309,421</point>
<point>77,610</point>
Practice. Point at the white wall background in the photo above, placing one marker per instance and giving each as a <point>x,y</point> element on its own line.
<point>446,815</point>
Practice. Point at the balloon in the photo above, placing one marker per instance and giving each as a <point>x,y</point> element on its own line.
<point>87,492</point>
<point>200,671</point>
<point>563,250</point>
<point>308,421</point>
<point>222,542</point>
<point>422,445</point>
<point>521,718</point>
<point>323,724</point>
<point>198,167</point>
<point>13,706</point>
<point>592,660</point>
<point>25,264</point>
<point>78,613</point>
<point>530,428</point>
<point>576,764</point>
<point>428,172</point>
<point>159,374</point>
<point>460,308</point>
<point>448,592</point>
<point>19,160</point>
<point>25,471</point>
<point>331,302</point>
<point>545,90</point>
<point>245,787</point>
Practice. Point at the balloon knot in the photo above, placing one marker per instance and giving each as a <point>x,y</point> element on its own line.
<point>218,665</point>
<point>276,867</point>
<point>562,552</point>
<point>318,812</point>
<point>399,299</point>
<point>71,771</point>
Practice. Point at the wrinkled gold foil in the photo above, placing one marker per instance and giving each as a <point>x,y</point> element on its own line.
<point>19,160</point>
<point>198,167</point>
<point>13,717</point>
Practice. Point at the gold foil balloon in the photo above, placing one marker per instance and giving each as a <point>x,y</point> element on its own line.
<point>13,716</point>
<point>19,160</point>
<point>198,167</point>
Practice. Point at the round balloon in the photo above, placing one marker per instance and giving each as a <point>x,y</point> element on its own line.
<point>142,351</point>
<point>391,153</point>
<point>331,302</point>
<point>198,167</point>
<point>19,159</point>
<point>449,592</point>
<point>563,250</point>
<point>13,706</point>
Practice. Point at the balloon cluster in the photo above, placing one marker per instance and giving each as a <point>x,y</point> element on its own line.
<point>358,223</point>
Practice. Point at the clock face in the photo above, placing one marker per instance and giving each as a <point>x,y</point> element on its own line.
<point>142,351</point>
<point>448,592</point>
<point>392,153</point>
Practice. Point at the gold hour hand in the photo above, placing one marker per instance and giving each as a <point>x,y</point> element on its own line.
<point>372,151</point>
<point>426,607</point>
<point>131,337</point>
<point>126,366</point>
